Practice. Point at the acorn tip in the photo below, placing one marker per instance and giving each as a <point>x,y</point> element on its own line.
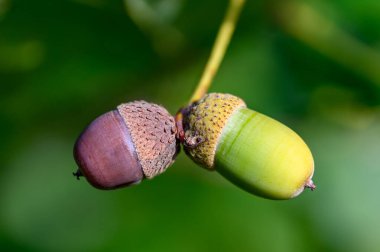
<point>78,174</point>
<point>310,185</point>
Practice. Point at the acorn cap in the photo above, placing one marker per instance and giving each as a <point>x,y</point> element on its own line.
<point>206,119</point>
<point>153,134</point>
<point>124,146</point>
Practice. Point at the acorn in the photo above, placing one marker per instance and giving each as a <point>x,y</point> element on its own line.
<point>254,151</point>
<point>122,147</point>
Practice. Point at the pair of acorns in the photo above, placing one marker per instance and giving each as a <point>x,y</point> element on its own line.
<point>140,140</point>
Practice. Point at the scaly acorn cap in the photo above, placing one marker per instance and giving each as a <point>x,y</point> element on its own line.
<point>255,152</point>
<point>206,120</point>
<point>153,134</point>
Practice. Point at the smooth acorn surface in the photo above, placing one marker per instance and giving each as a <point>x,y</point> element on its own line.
<point>263,156</point>
<point>106,155</point>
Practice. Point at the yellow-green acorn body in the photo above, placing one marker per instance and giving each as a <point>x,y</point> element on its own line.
<point>255,152</point>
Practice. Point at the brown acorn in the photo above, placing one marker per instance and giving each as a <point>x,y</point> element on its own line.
<point>122,147</point>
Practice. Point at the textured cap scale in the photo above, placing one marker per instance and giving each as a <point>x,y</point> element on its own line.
<point>153,133</point>
<point>206,119</point>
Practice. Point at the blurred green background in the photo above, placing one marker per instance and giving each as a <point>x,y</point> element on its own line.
<point>313,65</point>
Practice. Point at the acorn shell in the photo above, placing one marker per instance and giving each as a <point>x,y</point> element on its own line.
<point>263,156</point>
<point>106,155</point>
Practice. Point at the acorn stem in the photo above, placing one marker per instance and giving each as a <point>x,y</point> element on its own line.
<point>219,49</point>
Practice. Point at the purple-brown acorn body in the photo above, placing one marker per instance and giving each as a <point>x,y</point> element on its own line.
<point>126,145</point>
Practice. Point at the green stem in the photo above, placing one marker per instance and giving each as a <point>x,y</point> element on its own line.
<point>219,49</point>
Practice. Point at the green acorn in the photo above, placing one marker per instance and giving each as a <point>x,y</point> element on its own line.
<point>255,152</point>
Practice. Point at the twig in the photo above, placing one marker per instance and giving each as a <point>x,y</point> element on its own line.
<point>219,49</point>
